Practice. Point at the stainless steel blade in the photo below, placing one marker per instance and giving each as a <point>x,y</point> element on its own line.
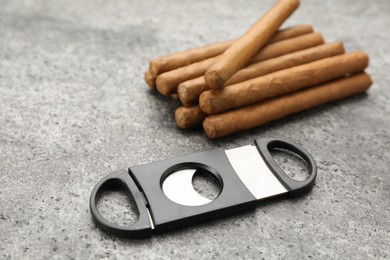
<point>254,173</point>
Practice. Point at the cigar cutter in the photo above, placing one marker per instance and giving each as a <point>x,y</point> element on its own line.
<point>166,200</point>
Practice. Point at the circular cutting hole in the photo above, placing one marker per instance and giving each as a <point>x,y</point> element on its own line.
<point>206,184</point>
<point>191,186</point>
<point>116,207</point>
<point>291,163</point>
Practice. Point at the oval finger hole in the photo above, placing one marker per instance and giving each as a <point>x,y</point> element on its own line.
<point>115,205</point>
<point>291,163</point>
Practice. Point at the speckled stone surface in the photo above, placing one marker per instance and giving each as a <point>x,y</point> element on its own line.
<point>74,107</point>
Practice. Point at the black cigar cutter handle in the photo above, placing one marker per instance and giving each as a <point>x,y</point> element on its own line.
<point>246,175</point>
<point>294,187</point>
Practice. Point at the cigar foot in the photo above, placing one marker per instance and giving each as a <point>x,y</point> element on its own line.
<point>182,92</point>
<point>210,129</point>
<point>189,117</point>
<point>213,79</point>
<point>207,104</point>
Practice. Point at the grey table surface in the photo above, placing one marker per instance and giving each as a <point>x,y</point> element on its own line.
<point>74,107</point>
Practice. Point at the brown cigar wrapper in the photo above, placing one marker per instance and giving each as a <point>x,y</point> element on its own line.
<point>188,117</point>
<point>282,82</point>
<point>192,116</point>
<point>173,61</point>
<point>243,49</point>
<point>288,61</point>
<point>168,82</point>
<point>189,91</point>
<point>260,113</point>
<point>288,46</point>
<point>291,32</point>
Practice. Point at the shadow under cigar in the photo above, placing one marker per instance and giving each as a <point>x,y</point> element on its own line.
<point>316,111</point>
<point>157,96</point>
<point>166,106</point>
<point>166,109</point>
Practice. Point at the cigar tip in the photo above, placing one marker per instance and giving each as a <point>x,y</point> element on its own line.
<point>189,117</point>
<point>309,27</point>
<point>293,3</point>
<point>159,85</point>
<point>181,89</point>
<point>179,119</point>
<point>367,78</point>
<point>340,44</point>
<point>365,55</point>
<point>319,36</point>
<point>362,56</point>
<point>153,68</point>
<point>213,79</point>
<point>209,128</point>
<point>183,93</point>
<point>157,66</point>
<point>205,102</point>
<point>162,85</point>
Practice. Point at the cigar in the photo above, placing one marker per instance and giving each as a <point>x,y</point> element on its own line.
<point>168,82</point>
<point>252,71</point>
<point>288,61</point>
<point>243,49</point>
<point>282,82</point>
<point>180,59</point>
<point>190,90</point>
<point>288,46</point>
<point>260,113</point>
<point>291,32</point>
<point>188,117</point>
<point>149,79</point>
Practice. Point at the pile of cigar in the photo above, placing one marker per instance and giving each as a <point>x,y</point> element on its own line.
<point>264,75</point>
